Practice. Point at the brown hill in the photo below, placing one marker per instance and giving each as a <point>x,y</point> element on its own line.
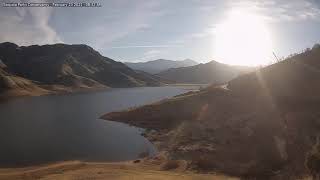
<point>209,73</point>
<point>266,125</point>
<point>62,67</point>
<point>69,65</point>
<point>297,76</point>
<point>11,86</point>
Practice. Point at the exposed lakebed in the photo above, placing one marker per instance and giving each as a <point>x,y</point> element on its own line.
<point>67,127</point>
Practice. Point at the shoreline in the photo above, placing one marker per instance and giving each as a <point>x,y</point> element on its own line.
<point>12,95</point>
<point>16,94</point>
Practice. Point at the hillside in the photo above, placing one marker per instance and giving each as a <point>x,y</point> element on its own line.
<point>156,66</point>
<point>64,67</point>
<point>11,86</point>
<point>264,124</point>
<point>212,72</point>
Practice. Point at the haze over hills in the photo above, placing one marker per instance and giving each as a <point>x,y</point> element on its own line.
<point>211,72</point>
<point>64,67</point>
<point>265,124</point>
<point>156,66</point>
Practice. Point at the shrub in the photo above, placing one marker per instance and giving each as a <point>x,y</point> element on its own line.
<point>313,160</point>
<point>169,165</point>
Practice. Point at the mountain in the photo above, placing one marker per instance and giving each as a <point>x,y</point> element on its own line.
<point>156,66</point>
<point>262,125</point>
<point>211,72</point>
<point>65,66</point>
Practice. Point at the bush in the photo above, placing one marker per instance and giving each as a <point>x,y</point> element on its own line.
<point>313,160</point>
<point>169,165</point>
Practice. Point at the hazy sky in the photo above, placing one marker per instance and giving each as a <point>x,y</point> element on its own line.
<point>141,30</point>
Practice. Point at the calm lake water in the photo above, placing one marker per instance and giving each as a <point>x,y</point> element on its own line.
<point>67,127</point>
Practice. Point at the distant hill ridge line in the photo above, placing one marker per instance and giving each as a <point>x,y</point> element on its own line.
<point>160,59</point>
<point>158,65</point>
<point>211,72</point>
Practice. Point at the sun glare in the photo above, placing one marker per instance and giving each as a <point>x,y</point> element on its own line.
<point>243,39</point>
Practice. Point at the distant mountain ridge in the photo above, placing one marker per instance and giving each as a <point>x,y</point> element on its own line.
<point>211,72</point>
<point>156,66</point>
<point>67,66</point>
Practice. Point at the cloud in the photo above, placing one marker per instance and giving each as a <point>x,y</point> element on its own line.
<point>97,27</point>
<point>281,10</point>
<point>134,17</point>
<point>26,26</point>
<point>206,32</point>
<point>152,54</point>
<point>270,11</point>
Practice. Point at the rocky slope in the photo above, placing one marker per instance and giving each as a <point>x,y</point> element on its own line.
<point>264,124</point>
<point>62,66</point>
<point>159,65</point>
<point>212,72</point>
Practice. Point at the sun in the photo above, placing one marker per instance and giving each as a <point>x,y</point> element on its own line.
<point>243,38</point>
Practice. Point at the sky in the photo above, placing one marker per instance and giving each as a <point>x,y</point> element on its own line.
<point>142,30</point>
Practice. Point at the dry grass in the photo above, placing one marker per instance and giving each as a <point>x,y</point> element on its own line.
<point>114,171</point>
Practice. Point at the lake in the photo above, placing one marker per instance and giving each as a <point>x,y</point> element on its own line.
<point>52,128</point>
